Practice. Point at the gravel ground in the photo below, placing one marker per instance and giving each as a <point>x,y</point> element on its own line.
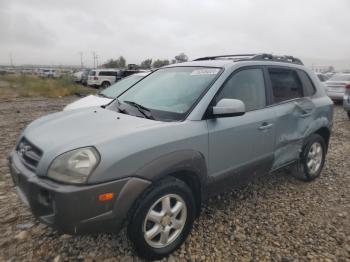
<point>277,218</point>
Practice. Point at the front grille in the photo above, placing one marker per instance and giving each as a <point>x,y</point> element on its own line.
<point>29,154</point>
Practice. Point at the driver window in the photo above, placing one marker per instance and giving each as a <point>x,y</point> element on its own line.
<point>248,86</point>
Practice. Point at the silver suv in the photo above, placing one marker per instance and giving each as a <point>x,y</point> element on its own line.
<point>151,157</point>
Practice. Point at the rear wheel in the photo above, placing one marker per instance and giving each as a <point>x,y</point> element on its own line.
<point>348,114</point>
<point>162,219</point>
<point>312,157</point>
<point>105,84</point>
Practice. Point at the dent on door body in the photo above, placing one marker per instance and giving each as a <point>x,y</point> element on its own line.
<point>292,125</point>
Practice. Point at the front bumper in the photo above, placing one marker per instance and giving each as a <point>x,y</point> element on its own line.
<point>75,209</point>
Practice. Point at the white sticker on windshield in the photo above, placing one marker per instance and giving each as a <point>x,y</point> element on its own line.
<point>205,71</point>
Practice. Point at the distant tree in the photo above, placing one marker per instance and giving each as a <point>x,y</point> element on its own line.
<point>331,69</point>
<point>111,63</point>
<point>121,61</point>
<point>180,58</point>
<point>173,61</point>
<point>117,63</point>
<point>146,64</point>
<point>159,63</point>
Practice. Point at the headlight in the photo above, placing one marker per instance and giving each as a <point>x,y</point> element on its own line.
<point>74,166</point>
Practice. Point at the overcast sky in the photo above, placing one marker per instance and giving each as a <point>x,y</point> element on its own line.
<point>54,32</point>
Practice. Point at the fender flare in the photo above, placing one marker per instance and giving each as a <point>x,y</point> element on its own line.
<point>183,161</point>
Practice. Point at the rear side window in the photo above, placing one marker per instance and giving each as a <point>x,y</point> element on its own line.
<point>285,84</point>
<point>108,73</point>
<point>248,86</point>
<point>309,88</point>
<point>104,73</point>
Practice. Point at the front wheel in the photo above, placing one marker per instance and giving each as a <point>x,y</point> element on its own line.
<point>162,219</point>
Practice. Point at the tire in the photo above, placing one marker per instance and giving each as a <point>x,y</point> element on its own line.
<point>178,225</point>
<point>312,158</point>
<point>105,84</point>
<point>348,114</point>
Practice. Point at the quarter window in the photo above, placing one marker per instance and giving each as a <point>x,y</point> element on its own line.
<point>285,84</point>
<point>248,86</point>
<point>309,88</point>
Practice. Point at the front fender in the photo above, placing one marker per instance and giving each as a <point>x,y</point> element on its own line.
<point>183,161</point>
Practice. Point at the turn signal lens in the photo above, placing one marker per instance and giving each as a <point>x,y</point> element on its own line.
<point>106,196</point>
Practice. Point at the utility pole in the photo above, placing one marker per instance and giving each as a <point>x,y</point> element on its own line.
<point>11,60</point>
<point>94,55</point>
<point>97,61</point>
<point>81,59</point>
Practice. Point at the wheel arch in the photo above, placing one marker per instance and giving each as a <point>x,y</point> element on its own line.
<point>188,166</point>
<point>325,133</point>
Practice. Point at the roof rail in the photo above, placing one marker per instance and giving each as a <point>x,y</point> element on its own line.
<point>254,57</point>
<point>236,56</point>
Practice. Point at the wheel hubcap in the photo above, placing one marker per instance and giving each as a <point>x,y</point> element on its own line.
<point>165,221</point>
<point>314,158</point>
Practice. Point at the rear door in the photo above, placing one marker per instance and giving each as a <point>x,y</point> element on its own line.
<point>291,90</point>
<point>242,146</point>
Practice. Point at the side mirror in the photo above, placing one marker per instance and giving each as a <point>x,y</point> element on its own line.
<point>228,107</point>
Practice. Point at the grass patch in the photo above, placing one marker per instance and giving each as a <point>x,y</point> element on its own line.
<point>29,86</point>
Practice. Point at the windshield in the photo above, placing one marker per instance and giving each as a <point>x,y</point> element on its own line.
<point>340,77</point>
<point>169,93</point>
<point>122,85</point>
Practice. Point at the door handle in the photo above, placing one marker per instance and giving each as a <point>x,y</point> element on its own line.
<point>265,126</point>
<point>305,115</point>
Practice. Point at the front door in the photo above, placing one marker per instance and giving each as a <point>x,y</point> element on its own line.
<point>242,146</point>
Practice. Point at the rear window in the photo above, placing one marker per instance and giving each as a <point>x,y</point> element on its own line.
<point>285,84</point>
<point>340,77</point>
<point>92,73</point>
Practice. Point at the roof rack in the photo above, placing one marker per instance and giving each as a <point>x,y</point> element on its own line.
<point>254,57</point>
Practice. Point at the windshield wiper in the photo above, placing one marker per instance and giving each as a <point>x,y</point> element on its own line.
<point>146,112</point>
<point>103,95</point>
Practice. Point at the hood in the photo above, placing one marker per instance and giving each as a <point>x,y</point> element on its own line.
<point>88,101</point>
<point>64,131</point>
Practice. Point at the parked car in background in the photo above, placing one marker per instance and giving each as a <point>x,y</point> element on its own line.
<point>102,77</point>
<point>53,73</point>
<point>107,95</point>
<point>106,77</point>
<point>77,76</point>
<point>322,77</point>
<point>127,72</point>
<point>335,86</point>
<point>85,76</point>
<point>154,155</point>
<point>346,100</point>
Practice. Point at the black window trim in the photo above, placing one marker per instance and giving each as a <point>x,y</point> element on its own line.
<point>207,114</point>
<point>270,85</point>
